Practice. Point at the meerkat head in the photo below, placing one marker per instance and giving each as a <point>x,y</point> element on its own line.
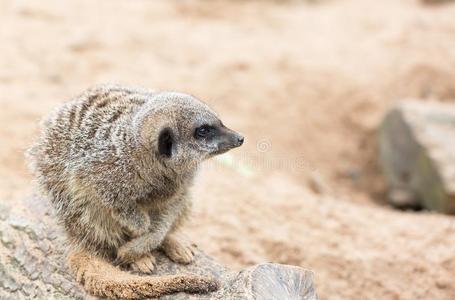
<point>181,131</point>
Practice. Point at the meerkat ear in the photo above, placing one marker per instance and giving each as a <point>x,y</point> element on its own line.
<point>165,142</point>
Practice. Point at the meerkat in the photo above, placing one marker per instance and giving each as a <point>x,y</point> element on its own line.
<point>117,164</point>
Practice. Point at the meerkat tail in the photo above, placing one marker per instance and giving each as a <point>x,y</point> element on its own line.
<point>102,279</point>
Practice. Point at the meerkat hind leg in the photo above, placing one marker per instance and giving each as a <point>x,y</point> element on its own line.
<point>145,264</point>
<point>178,249</point>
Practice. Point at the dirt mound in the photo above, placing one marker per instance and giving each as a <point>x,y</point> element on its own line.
<point>356,250</point>
<point>425,81</point>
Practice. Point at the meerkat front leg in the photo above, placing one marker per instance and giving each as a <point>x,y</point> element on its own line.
<point>143,245</point>
<point>134,220</point>
<point>138,247</point>
<point>163,223</point>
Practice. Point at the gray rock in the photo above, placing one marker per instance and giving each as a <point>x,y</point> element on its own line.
<point>435,2</point>
<point>417,153</point>
<point>32,265</point>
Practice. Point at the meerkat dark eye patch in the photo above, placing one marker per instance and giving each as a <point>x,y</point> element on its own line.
<point>165,142</point>
<point>204,131</point>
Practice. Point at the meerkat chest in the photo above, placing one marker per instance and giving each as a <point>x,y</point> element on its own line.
<point>164,188</point>
<point>160,196</point>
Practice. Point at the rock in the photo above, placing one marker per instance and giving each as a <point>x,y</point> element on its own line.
<point>430,2</point>
<point>32,265</point>
<point>403,198</point>
<point>417,153</point>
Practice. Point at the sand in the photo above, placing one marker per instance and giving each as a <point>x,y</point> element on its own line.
<point>307,83</point>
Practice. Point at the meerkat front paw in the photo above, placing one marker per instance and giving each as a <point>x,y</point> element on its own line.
<point>145,264</point>
<point>178,249</point>
<point>127,254</point>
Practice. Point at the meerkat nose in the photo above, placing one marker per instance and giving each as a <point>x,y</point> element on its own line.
<point>240,140</point>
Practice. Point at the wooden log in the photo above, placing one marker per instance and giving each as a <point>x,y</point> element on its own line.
<point>33,264</point>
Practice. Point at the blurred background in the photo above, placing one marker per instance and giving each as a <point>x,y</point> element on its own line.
<point>307,82</point>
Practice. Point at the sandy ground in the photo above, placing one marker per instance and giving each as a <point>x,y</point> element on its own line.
<point>307,82</point>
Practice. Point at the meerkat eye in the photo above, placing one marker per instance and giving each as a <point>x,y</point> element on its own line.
<point>202,131</point>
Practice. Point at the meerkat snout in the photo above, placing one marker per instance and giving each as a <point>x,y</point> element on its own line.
<point>240,140</point>
<point>217,138</point>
